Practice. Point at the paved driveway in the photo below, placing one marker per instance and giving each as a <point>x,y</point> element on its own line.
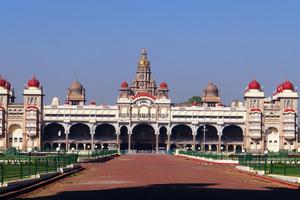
<point>160,177</point>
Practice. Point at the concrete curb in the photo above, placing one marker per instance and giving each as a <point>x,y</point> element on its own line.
<point>268,178</point>
<point>217,162</point>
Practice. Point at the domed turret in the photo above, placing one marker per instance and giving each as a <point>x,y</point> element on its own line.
<point>76,94</point>
<point>124,85</point>
<point>287,85</point>
<point>210,97</point>
<point>76,88</point>
<point>163,85</point>
<point>33,82</point>
<point>254,85</point>
<point>211,90</point>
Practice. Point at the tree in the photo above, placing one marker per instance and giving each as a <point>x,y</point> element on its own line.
<point>196,99</point>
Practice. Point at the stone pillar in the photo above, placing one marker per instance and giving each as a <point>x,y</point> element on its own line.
<point>219,144</point>
<point>118,142</point>
<point>234,148</point>
<point>168,142</point>
<point>194,143</point>
<point>92,143</point>
<point>209,147</point>
<point>67,141</point>
<point>129,141</point>
<point>156,142</point>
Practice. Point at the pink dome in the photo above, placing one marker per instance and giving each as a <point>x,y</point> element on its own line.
<point>287,85</point>
<point>254,85</point>
<point>124,85</point>
<point>33,82</point>
<point>163,85</point>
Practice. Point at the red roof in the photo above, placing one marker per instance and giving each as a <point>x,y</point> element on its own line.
<point>143,94</point>
<point>279,88</point>
<point>124,85</point>
<point>287,85</point>
<point>163,85</point>
<point>2,82</point>
<point>255,110</point>
<point>33,82</point>
<point>254,85</point>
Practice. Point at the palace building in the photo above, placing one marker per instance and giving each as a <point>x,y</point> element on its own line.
<point>144,118</point>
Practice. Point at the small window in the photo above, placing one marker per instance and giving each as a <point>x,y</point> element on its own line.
<point>270,141</point>
<point>15,139</point>
<point>275,141</point>
<point>292,143</point>
<point>251,142</point>
<point>285,143</point>
<point>20,139</point>
<point>10,139</point>
<point>257,143</point>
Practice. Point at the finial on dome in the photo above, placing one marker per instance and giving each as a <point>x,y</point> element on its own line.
<point>144,62</point>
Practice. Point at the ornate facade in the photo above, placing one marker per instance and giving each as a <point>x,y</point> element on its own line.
<point>145,119</point>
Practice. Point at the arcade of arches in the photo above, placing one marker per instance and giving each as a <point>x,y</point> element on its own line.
<point>143,137</point>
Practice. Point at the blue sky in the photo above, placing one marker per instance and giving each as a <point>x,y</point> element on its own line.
<point>189,43</point>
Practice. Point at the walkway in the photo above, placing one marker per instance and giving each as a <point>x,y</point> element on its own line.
<point>160,177</point>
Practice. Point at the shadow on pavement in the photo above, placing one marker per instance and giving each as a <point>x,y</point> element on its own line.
<point>177,192</point>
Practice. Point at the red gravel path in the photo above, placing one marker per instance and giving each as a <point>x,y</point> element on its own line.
<point>160,177</point>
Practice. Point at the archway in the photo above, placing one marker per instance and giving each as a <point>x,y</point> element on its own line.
<point>143,137</point>
<point>238,149</point>
<point>80,146</point>
<point>97,146</point>
<point>54,146</point>
<point>80,132</point>
<point>15,136</point>
<point>47,147</point>
<point>73,146</point>
<point>54,132</point>
<point>182,134</point>
<point>105,133</point>
<point>211,135</point>
<point>232,134</point>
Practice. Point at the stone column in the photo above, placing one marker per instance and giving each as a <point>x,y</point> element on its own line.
<point>219,144</point>
<point>67,141</point>
<point>194,143</point>
<point>129,141</point>
<point>118,142</point>
<point>168,142</point>
<point>156,142</point>
<point>92,143</point>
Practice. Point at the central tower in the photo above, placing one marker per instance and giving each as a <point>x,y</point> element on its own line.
<point>143,83</point>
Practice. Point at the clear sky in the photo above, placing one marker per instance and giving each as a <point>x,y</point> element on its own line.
<point>189,43</point>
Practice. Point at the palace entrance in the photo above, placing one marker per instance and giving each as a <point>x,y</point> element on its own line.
<point>143,137</point>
